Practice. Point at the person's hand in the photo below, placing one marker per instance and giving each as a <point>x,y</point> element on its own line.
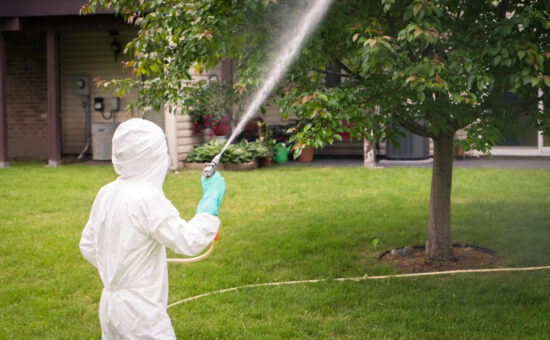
<point>213,189</point>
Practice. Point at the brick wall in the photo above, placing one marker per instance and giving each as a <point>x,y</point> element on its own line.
<point>27,95</point>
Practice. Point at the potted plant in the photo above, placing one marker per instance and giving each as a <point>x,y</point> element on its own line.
<point>306,156</point>
<point>459,148</point>
<point>212,109</point>
<point>304,152</point>
<point>266,140</point>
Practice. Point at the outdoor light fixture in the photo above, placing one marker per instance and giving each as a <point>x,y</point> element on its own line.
<point>116,47</point>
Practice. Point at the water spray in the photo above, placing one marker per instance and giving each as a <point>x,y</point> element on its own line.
<point>293,40</point>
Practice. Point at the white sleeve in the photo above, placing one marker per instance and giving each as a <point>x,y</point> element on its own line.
<point>87,241</point>
<point>186,238</point>
<point>87,244</point>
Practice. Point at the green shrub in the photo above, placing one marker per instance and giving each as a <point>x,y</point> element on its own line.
<point>242,152</point>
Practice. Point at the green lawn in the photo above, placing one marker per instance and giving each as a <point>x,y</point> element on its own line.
<point>285,224</point>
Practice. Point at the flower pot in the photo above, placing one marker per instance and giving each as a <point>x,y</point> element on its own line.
<point>265,162</point>
<point>220,129</point>
<point>307,155</point>
<point>459,152</point>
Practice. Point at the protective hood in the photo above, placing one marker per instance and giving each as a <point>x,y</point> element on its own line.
<point>139,152</point>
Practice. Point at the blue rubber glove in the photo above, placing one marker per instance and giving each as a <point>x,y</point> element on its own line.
<point>213,189</point>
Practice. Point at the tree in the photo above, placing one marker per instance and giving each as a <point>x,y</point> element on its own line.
<point>433,67</point>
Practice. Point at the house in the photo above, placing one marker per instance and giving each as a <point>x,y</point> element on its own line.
<point>50,106</point>
<point>48,57</point>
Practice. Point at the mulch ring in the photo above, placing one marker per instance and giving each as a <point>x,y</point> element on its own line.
<point>413,260</point>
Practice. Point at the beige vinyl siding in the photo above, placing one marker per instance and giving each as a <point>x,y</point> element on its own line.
<point>272,115</point>
<point>88,53</point>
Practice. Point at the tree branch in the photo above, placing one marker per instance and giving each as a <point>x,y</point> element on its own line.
<point>502,9</point>
<point>459,13</point>
<point>411,125</point>
<point>348,70</point>
<point>391,24</point>
<point>332,73</point>
<point>416,128</point>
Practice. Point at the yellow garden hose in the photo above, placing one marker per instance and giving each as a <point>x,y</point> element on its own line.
<point>196,258</point>
<point>359,278</point>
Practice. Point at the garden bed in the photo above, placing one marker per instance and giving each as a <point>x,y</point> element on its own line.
<point>413,259</point>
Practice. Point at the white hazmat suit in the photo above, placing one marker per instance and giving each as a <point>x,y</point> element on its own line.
<point>130,224</point>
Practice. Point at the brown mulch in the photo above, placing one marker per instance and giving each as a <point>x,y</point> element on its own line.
<point>465,257</point>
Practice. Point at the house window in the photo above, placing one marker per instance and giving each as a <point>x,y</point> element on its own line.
<point>528,136</point>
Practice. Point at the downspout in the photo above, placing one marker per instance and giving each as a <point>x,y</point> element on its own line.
<point>86,107</point>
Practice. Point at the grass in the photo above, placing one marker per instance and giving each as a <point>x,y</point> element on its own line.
<point>284,224</point>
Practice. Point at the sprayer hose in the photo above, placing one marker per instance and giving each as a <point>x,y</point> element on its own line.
<point>196,258</point>
<point>359,278</point>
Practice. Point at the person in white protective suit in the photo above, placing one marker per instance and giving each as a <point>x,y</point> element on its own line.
<point>130,225</point>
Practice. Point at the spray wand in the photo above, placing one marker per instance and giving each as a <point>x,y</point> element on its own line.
<point>210,168</point>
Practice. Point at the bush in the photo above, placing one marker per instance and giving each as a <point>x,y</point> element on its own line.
<point>242,152</point>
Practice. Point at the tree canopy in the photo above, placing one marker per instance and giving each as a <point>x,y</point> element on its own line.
<point>433,67</point>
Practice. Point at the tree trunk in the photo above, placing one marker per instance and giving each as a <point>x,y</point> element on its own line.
<point>438,244</point>
<point>369,158</point>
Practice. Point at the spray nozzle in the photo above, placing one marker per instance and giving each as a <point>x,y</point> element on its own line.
<point>210,168</point>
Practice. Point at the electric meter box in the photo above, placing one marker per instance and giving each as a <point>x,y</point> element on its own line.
<point>102,137</point>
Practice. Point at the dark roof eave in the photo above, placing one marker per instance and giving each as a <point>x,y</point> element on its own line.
<point>42,8</point>
<point>65,23</point>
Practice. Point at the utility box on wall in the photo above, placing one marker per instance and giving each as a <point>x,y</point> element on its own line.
<point>102,136</point>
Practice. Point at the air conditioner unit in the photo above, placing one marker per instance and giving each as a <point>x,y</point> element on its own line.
<point>410,147</point>
<point>102,136</point>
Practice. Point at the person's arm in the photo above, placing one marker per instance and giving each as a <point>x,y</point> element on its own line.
<point>87,244</point>
<point>186,238</point>
<point>159,219</point>
<point>87,241</point>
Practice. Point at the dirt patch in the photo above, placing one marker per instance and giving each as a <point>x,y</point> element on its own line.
<point>413,260</point>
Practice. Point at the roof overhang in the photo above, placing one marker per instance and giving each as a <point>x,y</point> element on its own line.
<point>40,8</point>
<point>58,15</point>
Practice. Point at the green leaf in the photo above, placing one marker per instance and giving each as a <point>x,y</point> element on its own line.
<point>417,8</point>
<point>421,96</point>
<point>521,54</point>
<point>504,53</point>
